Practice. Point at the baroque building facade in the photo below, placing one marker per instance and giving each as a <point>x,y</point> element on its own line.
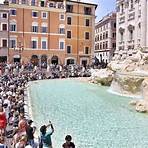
<point>132,26</point>
<point>60,32</point>
<point>105,38</point>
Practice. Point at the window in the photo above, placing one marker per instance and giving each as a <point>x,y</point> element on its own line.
<point>13,1</point>
<point>87,10</point>
<point>87,22</point>
<point>4,15</point>
<point>122,8</point>
<point>44,44</point>
<point>69,34</point>
<point>114,25</point>
<point>114,45</point>
<point>86,50</point>
<point>13,12</point>
<point>106,35</point>
<point>4,43</point>
<point>32,2</point>
<point>132,4</point>
<point>100,45</point>
<point>34,28</point>
<point>103,45</point>
<point>51,4</point>
<point>62,30</point>
<point>103,35</point>
<point>4,27</point>
<point>131,35</point>
<point>121,36</point>
<point>87,35</point>
<point>114,35</point>
<point>34,14</point>
<point>62,17</point>
<point>106,45</point>
<point>69,8</point>
<point>44,29</point>
<point>23,1</point>
<point>68,49</point>
<point>34,44</point>
<point>61,44</point>
<point>68,20</point>
<point>12,43</point>
<point>12,27</point>
<point>44,15</point>
<point>42,3</point>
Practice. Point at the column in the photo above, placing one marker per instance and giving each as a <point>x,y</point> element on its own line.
<point>136,29</point>
<point>143,22</point>
<point>117,32</point>
<point>110,35</point>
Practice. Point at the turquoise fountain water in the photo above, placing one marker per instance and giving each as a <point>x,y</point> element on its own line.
<point>94,117</point>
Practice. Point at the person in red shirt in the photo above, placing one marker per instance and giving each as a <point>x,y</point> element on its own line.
<point>3,121</point>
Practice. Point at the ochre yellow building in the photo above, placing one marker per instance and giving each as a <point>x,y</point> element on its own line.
<point>59,32</point>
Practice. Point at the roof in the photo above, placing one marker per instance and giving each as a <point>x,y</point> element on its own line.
<point>84,2</point>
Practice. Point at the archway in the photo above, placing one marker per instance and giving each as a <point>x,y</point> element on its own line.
<point>44,61</point>
<point>54,60</point>
<point>35,60</point>
<point>70,61</point>
<point>16,58</point>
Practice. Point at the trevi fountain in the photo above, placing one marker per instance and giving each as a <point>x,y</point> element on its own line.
<point>127,76</point>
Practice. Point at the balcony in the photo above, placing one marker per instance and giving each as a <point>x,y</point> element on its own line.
<point>87,11</point>
<point>69,8</point>
<point>57,5</point>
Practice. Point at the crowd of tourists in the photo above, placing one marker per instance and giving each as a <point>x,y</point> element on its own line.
<point>50,71</point>
<point>16,128</point>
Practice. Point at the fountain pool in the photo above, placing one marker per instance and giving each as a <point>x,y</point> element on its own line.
<point>94,117</point>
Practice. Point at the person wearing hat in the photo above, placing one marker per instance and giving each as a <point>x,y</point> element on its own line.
<point>45,139</point>
<point>30,133</point>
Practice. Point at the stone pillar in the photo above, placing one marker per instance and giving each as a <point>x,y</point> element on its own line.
<point>126,33</point>
<point>143,22</point>
<point>136,30</point>
<point>117,32</point>
<point>110,35</point>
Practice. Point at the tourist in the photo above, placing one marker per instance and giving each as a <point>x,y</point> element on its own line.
<point>30,133</point>
<point>22,125</point>
<point>68,143</point>
<point>3,121</point>
<point>45,138</point>
<point>2,142</point>
<point>22,142</point>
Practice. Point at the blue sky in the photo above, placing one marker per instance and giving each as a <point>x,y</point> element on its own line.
<point>104,7</point>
